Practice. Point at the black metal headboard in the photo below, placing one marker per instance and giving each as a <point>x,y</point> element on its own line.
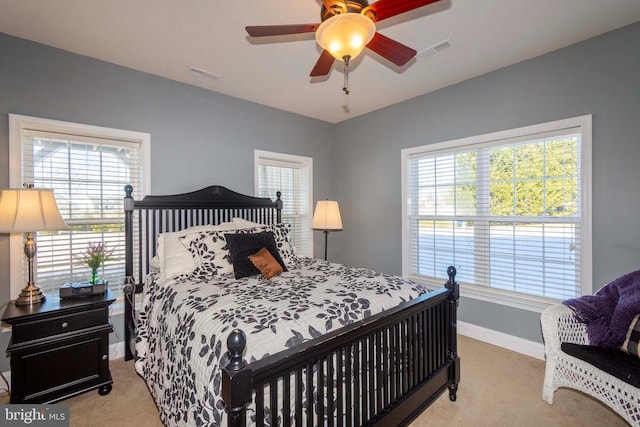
<point>145,219</point>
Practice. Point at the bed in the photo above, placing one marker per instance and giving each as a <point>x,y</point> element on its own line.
<point>317,344</point>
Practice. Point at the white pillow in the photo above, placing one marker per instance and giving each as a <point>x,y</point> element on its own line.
<point>175,258</point>
<point>155,263</point>
<point>208,249</point>
<point>242,223</point>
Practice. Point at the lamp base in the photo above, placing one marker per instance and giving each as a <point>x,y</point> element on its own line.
<point>30,295</point>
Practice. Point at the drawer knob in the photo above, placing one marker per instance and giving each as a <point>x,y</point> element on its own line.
<point>105,357</point>
<point>64,324</point>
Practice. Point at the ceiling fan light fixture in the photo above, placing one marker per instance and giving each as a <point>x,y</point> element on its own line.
<point>345,34</point>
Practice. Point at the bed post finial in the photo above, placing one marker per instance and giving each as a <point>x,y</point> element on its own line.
<point>236,380</point>
<point>278,207</point>
<point>236,342</point>
<point>128,198</point>
<point>451,272</point>
<point>451,283</point>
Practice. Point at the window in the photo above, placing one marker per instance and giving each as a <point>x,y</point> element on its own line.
<point>87,167</point>
<point>291,175</point>
<point>511,210</point>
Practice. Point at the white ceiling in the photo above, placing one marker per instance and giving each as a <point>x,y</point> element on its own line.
<point>167,37</point>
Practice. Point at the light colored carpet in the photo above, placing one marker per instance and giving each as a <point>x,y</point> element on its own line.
<point>498,388</point>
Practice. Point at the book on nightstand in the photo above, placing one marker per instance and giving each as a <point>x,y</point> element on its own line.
<point>83,289</point>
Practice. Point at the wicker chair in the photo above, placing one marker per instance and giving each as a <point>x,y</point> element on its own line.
<point>562,370</point>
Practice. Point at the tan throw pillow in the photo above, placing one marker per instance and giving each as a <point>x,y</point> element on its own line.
<point>266,263</point>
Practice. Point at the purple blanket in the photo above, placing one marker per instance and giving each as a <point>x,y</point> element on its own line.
<point>610,311</point>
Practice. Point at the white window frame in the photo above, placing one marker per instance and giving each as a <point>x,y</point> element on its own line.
<point>508,298</point>
<point>19,123</point>
<point>294,161</point>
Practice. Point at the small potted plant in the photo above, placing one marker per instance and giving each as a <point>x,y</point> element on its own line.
<point>95,255</point>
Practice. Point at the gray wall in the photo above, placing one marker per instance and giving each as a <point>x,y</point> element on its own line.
<point>200,138</point>
<point>600,76</point>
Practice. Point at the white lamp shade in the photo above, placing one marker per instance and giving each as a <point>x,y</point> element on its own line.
<point>327,216</point>
<point>28,210</point>
<point>345,34</point>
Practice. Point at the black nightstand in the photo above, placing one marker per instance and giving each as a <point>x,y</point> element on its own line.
<point>59,348</point>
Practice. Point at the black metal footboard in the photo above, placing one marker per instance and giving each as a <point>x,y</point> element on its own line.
<point>387,368</point>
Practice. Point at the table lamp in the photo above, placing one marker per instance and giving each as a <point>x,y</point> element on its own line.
<point>327,218</point>
<point>28,210</point>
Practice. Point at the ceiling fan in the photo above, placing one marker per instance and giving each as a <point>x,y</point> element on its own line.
<point>346,28</point>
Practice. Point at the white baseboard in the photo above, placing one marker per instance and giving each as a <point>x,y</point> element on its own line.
<point>116,351</point>
<point>500,339</point>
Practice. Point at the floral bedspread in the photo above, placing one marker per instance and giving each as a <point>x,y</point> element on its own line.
<point>184,322</point>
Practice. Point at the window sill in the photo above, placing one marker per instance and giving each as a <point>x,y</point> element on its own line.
<point>495,296</point>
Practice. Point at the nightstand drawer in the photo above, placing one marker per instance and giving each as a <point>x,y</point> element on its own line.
<point>51,326</point>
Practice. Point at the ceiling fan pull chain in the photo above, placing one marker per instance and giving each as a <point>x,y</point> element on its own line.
<point>346,74</point>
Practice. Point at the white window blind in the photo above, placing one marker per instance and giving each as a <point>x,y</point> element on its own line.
<point>291,175</point>
<point>87,174</point>
<point>508,213</point>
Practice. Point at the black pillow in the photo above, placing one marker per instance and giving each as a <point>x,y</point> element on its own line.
<point>242,245</point>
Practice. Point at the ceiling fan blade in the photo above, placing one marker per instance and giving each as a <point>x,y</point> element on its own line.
<point>324,64</point>
<point>390,49</point>
<point>280,30</point>
<point>387,8</point>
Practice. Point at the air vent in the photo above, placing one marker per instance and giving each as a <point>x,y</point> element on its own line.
<point>205,73</point>
<point>437,48</point>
